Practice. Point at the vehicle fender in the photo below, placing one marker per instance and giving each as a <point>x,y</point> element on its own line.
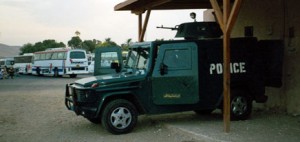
<point>127,95</point>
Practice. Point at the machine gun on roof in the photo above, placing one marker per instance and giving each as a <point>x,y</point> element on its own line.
<point>171,28</point>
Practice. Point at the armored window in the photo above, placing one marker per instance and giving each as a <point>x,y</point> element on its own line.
<point>177,59</point>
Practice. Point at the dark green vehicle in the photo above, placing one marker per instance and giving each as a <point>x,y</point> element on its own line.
<point>172,76</point>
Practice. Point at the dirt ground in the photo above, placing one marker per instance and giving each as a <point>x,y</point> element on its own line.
<point>32,110</point>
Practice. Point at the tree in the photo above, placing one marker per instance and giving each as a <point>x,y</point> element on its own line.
<point>50,43</point>
<point>107,43</point>
<point>75,42</point>
<point>125,46</point>
<point>40,46</point>
<point>77,33</point>
<point>27,48</point>
<point>89,45</point>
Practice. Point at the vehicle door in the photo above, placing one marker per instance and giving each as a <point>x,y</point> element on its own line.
<point>107,60</point>
<point>175,75</point>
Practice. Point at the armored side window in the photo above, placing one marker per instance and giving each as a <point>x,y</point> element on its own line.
<point>177,59</point>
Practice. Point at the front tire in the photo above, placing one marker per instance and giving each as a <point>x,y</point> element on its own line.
<point>119,116</point>
<point>240,106</point>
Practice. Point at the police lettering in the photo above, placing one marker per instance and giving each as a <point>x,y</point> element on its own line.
<point>234,68</point>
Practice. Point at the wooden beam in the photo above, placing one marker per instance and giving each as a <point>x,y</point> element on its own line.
<point>226,62</point>
<point>141,38</point>
<point>140,24</point>
<point>234,14</point>
<point>226,18</point>
<point>218,13</point>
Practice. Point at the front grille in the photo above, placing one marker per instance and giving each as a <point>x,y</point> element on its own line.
<point>85,96</point>
<point>80,95</point>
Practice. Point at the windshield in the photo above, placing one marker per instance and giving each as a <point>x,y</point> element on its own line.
<point>138,59</point>
<point>77,55</point>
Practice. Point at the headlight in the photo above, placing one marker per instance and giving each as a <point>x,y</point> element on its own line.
<point>95,85</point>
<point>84,95</point>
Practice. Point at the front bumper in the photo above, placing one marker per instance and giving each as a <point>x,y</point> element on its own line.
<point>81,101</point>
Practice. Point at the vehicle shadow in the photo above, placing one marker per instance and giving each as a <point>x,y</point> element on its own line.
<point>183,117</point>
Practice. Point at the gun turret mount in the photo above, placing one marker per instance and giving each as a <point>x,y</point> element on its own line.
<point>197,30</point>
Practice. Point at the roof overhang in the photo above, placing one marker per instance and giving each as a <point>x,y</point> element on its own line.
<point>142,5</point>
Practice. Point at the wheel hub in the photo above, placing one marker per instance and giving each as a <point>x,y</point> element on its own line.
<point>120,118</point>
<point>239,105</point>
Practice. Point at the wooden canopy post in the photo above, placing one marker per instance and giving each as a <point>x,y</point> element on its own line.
<point>142,35</point>
<point>142,27</point>
<point>226,19</point>
<point>226,62</point>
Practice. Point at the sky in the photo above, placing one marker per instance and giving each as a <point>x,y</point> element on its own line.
<point>31,21</point>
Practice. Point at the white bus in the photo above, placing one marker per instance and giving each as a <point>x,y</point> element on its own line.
<point>23,63</point>
<point>7,62</point>
<point>61,61</point>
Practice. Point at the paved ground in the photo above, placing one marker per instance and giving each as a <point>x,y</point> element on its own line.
<point>32,109</point>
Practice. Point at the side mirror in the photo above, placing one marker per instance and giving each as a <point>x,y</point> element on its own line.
<point>163,69</point>
<point>115,66</point>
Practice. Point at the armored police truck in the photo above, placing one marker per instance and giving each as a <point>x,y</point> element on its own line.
<point>172,76</point>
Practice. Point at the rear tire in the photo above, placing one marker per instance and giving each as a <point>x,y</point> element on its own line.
<point>119,116</point>
<point>240,105</point>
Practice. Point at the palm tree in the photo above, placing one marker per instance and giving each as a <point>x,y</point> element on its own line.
<point>77,33</point>
<point>125,46</point>
<point>108,40</point>
<point>128,41</point>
